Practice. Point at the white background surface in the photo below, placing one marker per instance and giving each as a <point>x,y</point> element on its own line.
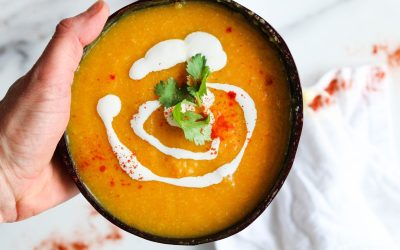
<point>322,34</point>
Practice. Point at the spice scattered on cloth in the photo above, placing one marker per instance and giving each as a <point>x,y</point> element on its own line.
<point>343,191</point>
<point>87,237</point>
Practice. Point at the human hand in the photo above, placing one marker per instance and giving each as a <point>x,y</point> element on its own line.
<point>33,117</point>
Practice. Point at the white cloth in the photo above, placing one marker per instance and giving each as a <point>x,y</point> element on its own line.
<point>344,189</point>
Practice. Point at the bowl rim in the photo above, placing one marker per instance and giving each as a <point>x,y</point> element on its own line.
<point>296,116</point>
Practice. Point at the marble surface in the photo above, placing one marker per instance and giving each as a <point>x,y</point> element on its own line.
<point>322,34</point>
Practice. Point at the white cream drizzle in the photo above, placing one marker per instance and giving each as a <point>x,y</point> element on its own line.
<point>109,106</point>
<point>169,53</point>
<point>164,55</point>
<point>137,122</point>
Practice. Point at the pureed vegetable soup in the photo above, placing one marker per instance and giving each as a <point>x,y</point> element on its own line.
<point>210,152</point>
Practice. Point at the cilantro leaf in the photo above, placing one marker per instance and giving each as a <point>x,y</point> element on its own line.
<point>195,128</point>
<point>203,87</point>
<point>198,73</point>
<point>195,67</point>
<point>169,93</point>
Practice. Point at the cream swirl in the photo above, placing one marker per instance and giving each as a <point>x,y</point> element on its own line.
<point>169,53</point>
<point>109,106</point>
<point>137,122</point>
<point>162,56</point>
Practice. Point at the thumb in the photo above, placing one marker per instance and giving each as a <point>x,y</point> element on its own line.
<point>62,55</point>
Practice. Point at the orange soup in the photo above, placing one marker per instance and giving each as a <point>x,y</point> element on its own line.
<point>159,208</point>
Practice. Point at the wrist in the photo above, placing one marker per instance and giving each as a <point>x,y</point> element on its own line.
<point>8,211</point>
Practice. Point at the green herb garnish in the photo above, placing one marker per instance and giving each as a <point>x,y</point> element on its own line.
<point>198,73</point>
<point>170,93</point>
<point>195,126</point>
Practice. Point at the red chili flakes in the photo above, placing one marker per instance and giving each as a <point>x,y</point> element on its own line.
<point>229,30</point>
<point>98,157</point>
<point>79,246</point>
<point>220,127</point>
<point>112,77</point>
<point>374,83</point>
<point>112,183</point>
<point>114,235</point>
<point>102,168</point>
<point>394,58</point>
<point>85,164</point>
<point>59,246</point>
<point>139,186</point>
<point>125,183</point>
<point>333,87</point>
<point>97,239</point>
<point>379,74</point>
<point>269,81</point>
<point>232,95</point>
<point>316,103</point>
<point>376,48</point>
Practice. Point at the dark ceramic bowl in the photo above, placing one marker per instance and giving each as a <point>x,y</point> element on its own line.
<point>296,119</point>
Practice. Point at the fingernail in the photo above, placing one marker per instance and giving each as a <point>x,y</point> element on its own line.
<point>96,7</point>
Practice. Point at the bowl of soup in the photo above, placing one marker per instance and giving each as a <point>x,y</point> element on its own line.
<point>185,119</point>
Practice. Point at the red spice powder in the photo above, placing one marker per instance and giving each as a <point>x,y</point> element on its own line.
<point>59,246</point>
<point>79,246</point>
<point>231,95</point>
<point>125,183</point>
<point>316,103</point>
<point>228,30</point>
<point>102,168</point>
<point>374,83</point>
<point>379,75</point>
<point>377,48</point>
<point>333,87</point>
<point>269,81</point>
<point>220,127</point>
<point>112,183</point>
<point>97,155</point>
<point>56,244</point>
<point>112,76</point>
<point>394,58</point>
<point>85,164</point>
<point>86,237</point>
<point>114,235</point>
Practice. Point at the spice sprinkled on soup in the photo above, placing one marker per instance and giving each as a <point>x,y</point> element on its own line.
<point>190,132</point>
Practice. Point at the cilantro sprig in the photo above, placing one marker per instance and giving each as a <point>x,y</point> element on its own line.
<point>195,126</point>
<point>198,73</point>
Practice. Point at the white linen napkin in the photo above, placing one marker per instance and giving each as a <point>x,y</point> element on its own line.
<point>344,189</point>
